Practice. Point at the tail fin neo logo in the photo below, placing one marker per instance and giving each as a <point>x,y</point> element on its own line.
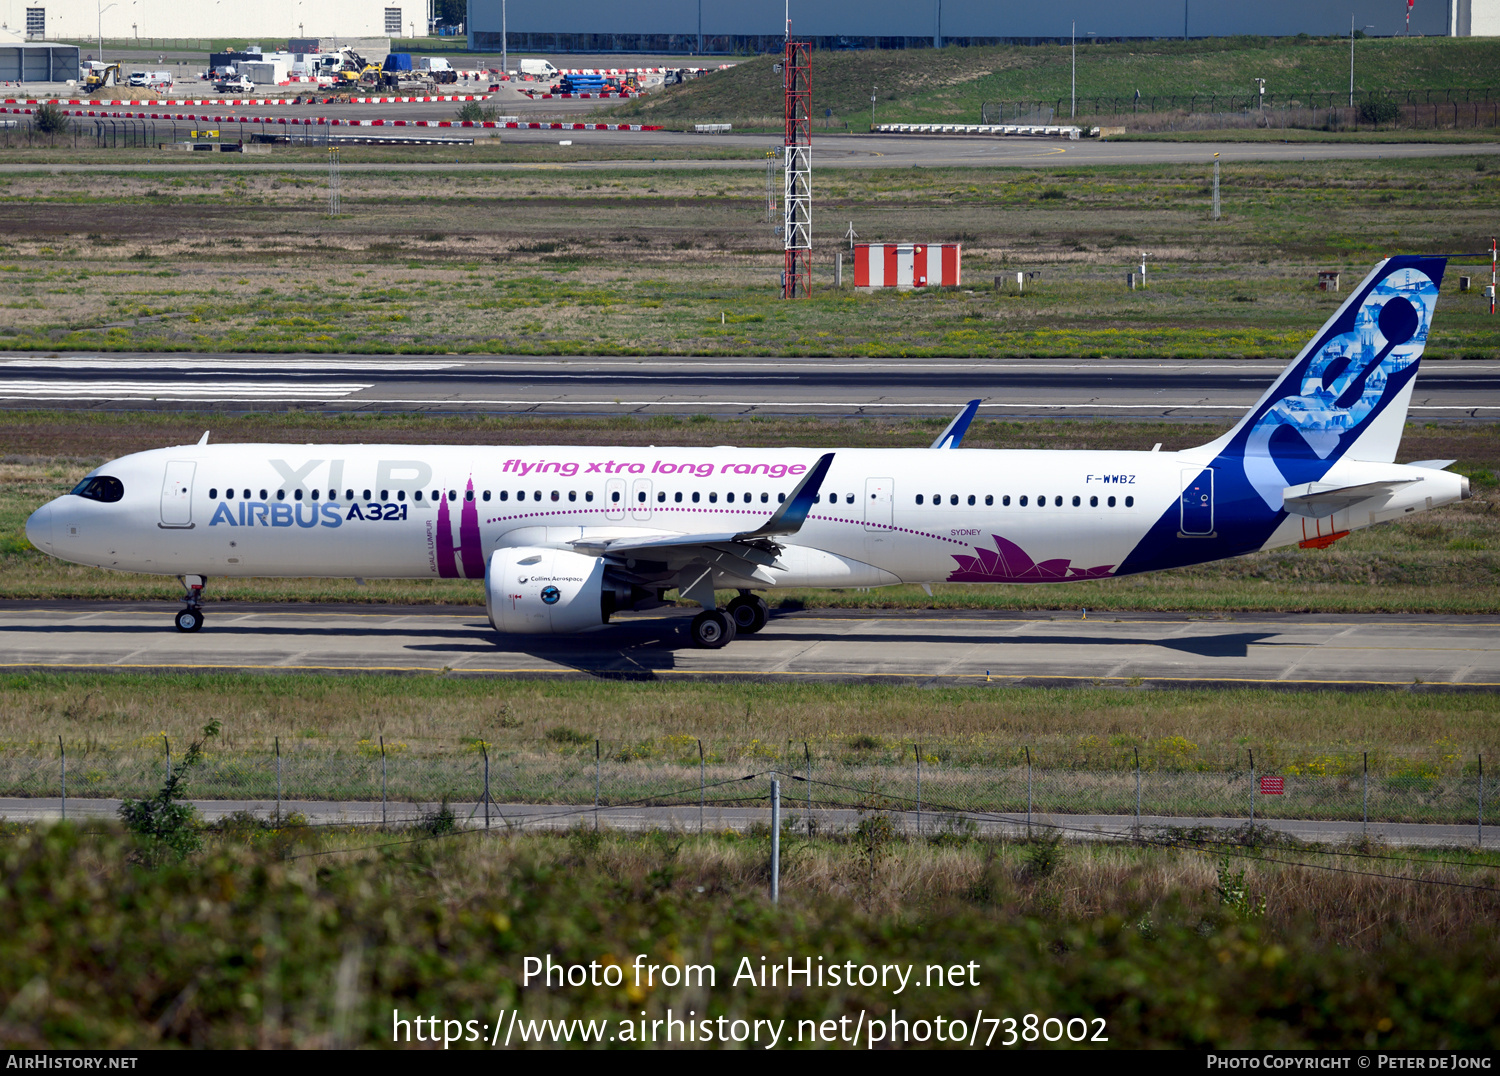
<point>1360,363</point>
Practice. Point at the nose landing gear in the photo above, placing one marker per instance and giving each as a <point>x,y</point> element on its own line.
<point>191,616</point>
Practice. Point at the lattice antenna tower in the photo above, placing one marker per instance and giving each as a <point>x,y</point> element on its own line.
<point>796,73</point>
<point>333,181</point>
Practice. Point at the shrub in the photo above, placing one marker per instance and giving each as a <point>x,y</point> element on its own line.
<point>49,118</point>
<point>441,822</point>
<point>474,112</point>
<point>169,830</point>
<point>1381,109</point>
<point>561,734</point>
<point>1043,856</point>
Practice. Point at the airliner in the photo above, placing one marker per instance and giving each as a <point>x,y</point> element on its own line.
<point>562,538</point>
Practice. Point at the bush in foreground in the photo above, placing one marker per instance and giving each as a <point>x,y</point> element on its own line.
<point>239,947</point>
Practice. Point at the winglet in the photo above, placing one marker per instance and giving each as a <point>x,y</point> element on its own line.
<point>204,439</point>
<point>951,437</point>
<point>789,517</point>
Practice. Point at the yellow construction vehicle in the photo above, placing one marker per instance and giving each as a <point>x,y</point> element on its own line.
<point>350,72</point>
<point>101,75</point>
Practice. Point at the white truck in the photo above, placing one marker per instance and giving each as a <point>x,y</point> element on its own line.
<point>156,80</point>
<point>538,69</point>
<point>436,68</point>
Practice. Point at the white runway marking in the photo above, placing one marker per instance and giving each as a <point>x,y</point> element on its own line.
<point>175,390</point>
<point>261,364</point>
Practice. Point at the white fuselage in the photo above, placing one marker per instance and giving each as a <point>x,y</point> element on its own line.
<point>403,511</point>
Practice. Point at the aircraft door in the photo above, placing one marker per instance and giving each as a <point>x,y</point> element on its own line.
<point>614,498</point>
<point>878,502</point>
<point>177,494</point>
<point>640,499</point>
<point>1197,503</point>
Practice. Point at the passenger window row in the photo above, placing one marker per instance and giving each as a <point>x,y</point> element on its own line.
<point>108,488</point>
<point>1024,500</point>
<point>504,495</point>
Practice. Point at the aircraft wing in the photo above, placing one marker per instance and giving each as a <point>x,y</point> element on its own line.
<point>754,546</point>
<point>951,436</point>
<point>1319,499</point>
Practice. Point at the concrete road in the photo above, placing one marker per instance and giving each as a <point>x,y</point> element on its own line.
<point>509,817</point>
<point>831,150</point>
<point>1097,388</point>
<point>923,647</point>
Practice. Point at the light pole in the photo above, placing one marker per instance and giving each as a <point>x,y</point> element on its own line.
<point>101,11</point>
<point>1368,26</point>
<point>1073,97</point>
<point>504,37</point>
<point>872,106</point>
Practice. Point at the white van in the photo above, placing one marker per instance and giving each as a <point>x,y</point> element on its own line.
<point>541,69</point>
<point>157,80</point>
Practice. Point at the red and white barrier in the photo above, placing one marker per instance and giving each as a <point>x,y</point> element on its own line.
<point>198,102</point>
<point>907,265</point>
<point>636,70</point>
<point>566,96</point>
<point>318,121</point>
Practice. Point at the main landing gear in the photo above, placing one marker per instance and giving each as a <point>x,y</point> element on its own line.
<point>191,616</point>
<point>750,613</point>
<point>714,628</point>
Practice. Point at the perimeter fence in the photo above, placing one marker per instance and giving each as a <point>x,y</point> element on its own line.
<point>1455,108</point>
<point>683,771</point>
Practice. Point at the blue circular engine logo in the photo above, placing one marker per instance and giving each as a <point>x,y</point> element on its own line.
<point>550,595</point>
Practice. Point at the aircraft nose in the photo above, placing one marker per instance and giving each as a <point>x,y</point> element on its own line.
<point>39,527</point>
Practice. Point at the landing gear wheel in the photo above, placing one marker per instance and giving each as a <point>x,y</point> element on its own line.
<point>712,629</point>
<point>750,614</point>
<point>189,619</point>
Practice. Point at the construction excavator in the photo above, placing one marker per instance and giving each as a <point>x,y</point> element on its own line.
<point>350,72</point>
<point>101,75</point>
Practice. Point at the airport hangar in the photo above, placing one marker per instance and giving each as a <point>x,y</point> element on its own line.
<point>699,26</point>
<point>693,26</point>
<point>171,20</point>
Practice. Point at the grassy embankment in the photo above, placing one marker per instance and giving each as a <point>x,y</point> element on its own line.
<point>262,941</point>
<point>1445,561</point>
<point>644,261</point>
<point>856,727</point>
<point>951,85</point>
<point>857,744</point>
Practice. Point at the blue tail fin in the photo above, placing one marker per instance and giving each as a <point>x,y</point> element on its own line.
<point>1346,394</point>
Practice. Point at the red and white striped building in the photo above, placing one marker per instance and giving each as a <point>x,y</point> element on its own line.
<point>907,265</point>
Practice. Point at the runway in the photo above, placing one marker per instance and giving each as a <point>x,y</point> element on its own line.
<point>915,647</point>
<point>1097,388</point>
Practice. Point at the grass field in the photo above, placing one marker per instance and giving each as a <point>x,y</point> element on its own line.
<point>643,261</point>
<point>1444,561</point>
<point>950,85</point>
<point>743,724</point>
<point>290,937</point>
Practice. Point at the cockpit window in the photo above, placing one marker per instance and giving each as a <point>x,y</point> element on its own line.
<point>100,488</point>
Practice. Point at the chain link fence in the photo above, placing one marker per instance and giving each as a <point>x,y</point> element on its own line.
<point>683,771</point>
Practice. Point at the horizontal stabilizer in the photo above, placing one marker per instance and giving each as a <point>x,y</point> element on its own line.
<point>1318,499</point>
<point>1433,465</point>
<point>954,434</point>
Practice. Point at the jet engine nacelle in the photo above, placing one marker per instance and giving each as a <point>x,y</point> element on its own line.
<point>545,591</point>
